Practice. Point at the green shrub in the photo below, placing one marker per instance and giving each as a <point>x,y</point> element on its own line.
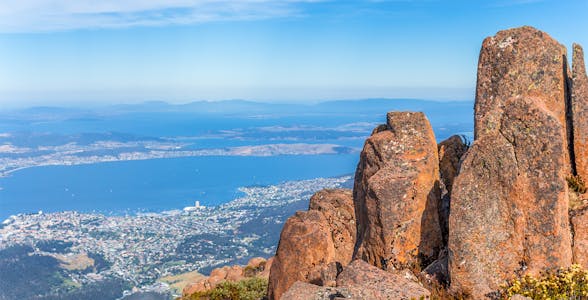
<point>576,184</point>
<point>248,289</point>
<point>570,283</point>
<point>250,271</point>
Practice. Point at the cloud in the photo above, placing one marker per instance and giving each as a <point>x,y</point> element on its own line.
<point>56,15</point>
<point>508,3</point>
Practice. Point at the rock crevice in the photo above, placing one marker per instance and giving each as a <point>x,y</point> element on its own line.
<point>569,103</point>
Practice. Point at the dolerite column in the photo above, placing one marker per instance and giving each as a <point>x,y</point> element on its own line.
<point>509,206</point>
<point>580,111</point>
<point>396,194</point>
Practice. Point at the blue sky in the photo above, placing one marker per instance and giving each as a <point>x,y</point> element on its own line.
<point>63,51</point>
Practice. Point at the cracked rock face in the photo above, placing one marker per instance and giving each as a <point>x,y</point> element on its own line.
<point>360,281</point>
<point>580,111</point>
<point>579,221</point>
<point>306,291</point>
<point>365,281</point>
<point>509,204</point>
<point>310,241</point>
<point>515,63</point>
<point>396,194</point>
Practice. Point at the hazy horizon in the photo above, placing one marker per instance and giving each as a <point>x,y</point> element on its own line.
<point>76,53</point>
<point>15,106</point>
<point>465,94</point>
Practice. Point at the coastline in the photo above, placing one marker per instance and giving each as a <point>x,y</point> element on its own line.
<point>258,151</point>
<point>133,245</point>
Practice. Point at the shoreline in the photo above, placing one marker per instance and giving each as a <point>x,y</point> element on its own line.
<point>139,212</point>
<point>228,152</point>
<point>138,249</point>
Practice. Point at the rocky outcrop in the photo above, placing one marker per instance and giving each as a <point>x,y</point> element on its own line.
<point>365,281</point>
<point>474,217</point>
<point>311,240</point>
<point>450,152</point>
<point>579,221</point>
<point>397,194</point>
<point>256,267</point>
<point>520,63</point>
<point>329,274</point>
<point>361,280</point>
<point>509,206</point>
<point>580,111</point>
<point>305,245</point>
<point>337,208</point>
<point>306,291</point>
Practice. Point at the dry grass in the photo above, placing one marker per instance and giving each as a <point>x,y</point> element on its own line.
<point>178,282</point>
<point>576,184</point>
<point>73,262</point>
<point>576,202</point>
<point>577,188</point>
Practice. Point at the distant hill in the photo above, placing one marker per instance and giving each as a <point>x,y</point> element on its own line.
<point>246,106</point>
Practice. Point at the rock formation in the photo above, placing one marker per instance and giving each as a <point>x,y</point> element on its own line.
<point>520,63</point>
<point>337,208</point>
<point>505,206</point>
<point>450,151</point>
<point>306,291</point>
<point>358,281</point>
<point>579,221</point>
<point>509,206</point>
<point>256,266</point>
<point>365,281</point>
<point>580,111</point>
<point>311,240</point>
<point>396,194</point>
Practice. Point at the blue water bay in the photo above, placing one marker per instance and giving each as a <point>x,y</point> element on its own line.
<point>172,183</point>
<point>158,184</point>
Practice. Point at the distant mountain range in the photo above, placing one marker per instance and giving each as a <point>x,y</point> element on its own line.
<point>243,106</point>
